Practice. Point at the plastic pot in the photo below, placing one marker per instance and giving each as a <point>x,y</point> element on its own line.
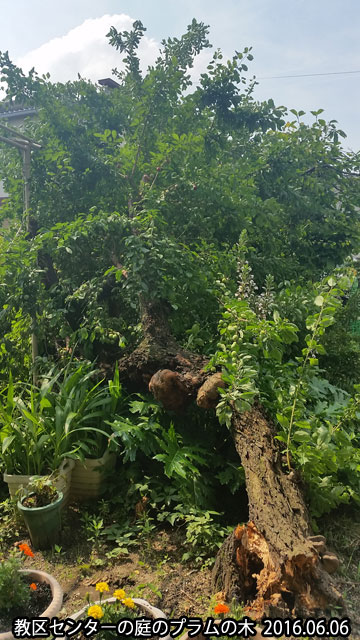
<point>43,523</point>
<point>87,476</point>
<point>62,480</point>
<point>56,592</point>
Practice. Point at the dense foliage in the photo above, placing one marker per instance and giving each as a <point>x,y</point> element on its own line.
<point>228,210</point>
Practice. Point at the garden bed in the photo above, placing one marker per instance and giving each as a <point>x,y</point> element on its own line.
<point>154,572</point>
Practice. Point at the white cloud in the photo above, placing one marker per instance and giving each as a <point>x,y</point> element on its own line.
<point>85,50</point>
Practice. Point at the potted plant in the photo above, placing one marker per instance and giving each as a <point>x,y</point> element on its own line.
<point>88,476</point>
<point>40,508</point>
<point>29,444</point>
<point>25,593</point>
<point>17,483</point>
<point>111,610</point>
<point>46,429</point>
<point>90,468</point>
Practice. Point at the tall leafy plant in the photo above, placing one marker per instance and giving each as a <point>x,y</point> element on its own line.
<point>79,402</point>
<point>258,362</point>
<point>64,417</point>
<point>24,437</point>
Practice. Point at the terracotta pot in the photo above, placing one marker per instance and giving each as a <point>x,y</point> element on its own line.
<point>87,476</point>
<point>62,482</point>
<point>56,592</point>
<point>152,612</point>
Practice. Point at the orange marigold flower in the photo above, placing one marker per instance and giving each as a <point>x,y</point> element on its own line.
<point>221,608</point>
<point>33,586</point>
<point>26,549</point>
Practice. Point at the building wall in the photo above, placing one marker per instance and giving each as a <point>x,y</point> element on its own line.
<point>13,119</point>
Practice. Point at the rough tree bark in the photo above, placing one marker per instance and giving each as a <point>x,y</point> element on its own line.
<point>273,564</point>
<point>159,351</point>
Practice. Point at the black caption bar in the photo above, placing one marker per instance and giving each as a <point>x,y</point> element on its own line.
<point>162,628</point>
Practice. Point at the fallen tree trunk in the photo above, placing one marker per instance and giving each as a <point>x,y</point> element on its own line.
<point>273,564</point>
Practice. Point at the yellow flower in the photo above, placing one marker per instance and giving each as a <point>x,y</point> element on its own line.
<point>119,594</point>
<point>129,602</point>
<point>95,611</point>
<point>102,586</point>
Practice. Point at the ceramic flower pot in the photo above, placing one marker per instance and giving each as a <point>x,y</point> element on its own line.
<point>144,606</point>
<point>56,593</point>
<point>62,481</point>
<point>43,523</point>
<point>87,476</point>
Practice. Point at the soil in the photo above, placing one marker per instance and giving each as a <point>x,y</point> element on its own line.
<point>153,572</point>
<point>40,600</point>
<point>35,500</point>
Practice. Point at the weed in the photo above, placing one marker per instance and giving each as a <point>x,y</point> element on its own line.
<point>152,587</point>
<point>59,552</point>
<point>123,536</point>
<point>203,535</point>
<point>93,526</point>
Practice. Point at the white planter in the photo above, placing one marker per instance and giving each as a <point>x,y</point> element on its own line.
<point>87,477</point>
<point>56,592</point>
<point>62,482</point>
<point>148,609</point>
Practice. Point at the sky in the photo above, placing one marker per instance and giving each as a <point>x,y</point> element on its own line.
<point>288,38</point>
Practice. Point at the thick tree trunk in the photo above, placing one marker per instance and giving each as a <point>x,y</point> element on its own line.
<point>158,352</point>
<point>273,564</point>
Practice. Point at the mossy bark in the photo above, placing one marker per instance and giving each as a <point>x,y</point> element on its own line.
<point>158,350</point>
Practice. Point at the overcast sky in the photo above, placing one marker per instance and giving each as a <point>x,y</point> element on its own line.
<point>289,37</point>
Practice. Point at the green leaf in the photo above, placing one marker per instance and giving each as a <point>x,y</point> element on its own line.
<point>7,442</point>
<point>319,301</point>
<point>276,316</point>
<point>301,436</point>
<point>283,420</point>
